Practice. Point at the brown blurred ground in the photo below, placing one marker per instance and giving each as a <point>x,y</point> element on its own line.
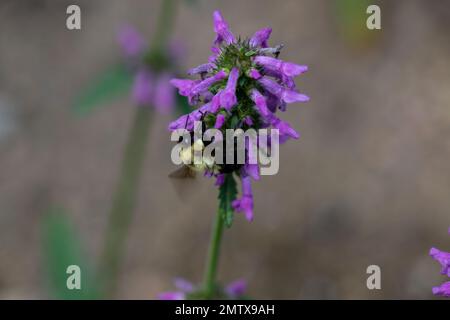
<point>368,183</point>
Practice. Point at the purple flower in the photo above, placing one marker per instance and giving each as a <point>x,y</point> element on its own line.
<point>260,38</point>
<point>286,95</point>
<point>287,68</point>
<point>220,179</point>
<point>131,41</point>
<point>142,91</point>
<point>260,102</point>
<point>442,290</point>
<point>221,29</point>
<point>215,53</point>
<point>228,97</point>
<point>245,203</point>
<point>205,84</point>
<point>236,289</point>
<point>164,99</point>
<point>255,74</point>
<point>184,86</point>
<point>285,130</point>
<point>220,120</point>
<point>184,287</point>
<point>203,68</point>
<point>443,258</point>
<point>252,170</point>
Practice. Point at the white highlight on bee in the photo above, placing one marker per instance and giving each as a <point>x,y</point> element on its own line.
<point>205,150</point>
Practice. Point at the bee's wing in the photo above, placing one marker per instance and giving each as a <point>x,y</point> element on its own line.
<point>184,182</point>
<point>183,173</point>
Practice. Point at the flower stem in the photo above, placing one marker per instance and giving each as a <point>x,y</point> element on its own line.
<point>124,200</point>
<point>213,257</point>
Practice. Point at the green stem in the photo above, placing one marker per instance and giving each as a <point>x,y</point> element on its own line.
<point>213,257</point>
<point>124,200</point>
<point>126,192</point>
<point>165,24</point>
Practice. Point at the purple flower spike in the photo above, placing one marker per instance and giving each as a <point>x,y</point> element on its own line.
<point>164,95</point>
<point>220,120</point>
<point>443,290</point>
<point>287,68</point>
<point>260,102</point>
<point>205,84</point>
<point>203,68</point>
<point>443,258</point>
<point>261,37</point>
<point>236,288</point>
<point>184,86</point>
<point>131,41</point>
<point>285,130</point>
<point>222,30</point>
<point>142,92</point>
<point>245,204</point>
<point>228,97</point>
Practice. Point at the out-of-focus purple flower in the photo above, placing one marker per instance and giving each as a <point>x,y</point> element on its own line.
<point>236,289</point>
<point>205,84</point>
<point>252,170</point>
<point>285,130</point>
<point>203,68</point>
<point>220,179</point>
<point>443,290</point>
<point>245,203</point>
<point>220,120</point>
<point>221,29</point>
<point>443,258</point>
<point>142,92</point>
<point>164,99</point>
<point>260,38</point>
<point>228,97</point>
<point>184,287</point>
<point>287,68</point>
<point>131,41</point>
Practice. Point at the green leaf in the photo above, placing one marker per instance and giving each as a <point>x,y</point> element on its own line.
<point>111,84</point>
<point>227,193</point>
<point>183,106</point>
<point>62,248</point>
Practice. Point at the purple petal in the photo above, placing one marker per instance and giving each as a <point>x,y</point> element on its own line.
<point>220,120</point>
<point>443,290</point>
<point>203,68</point>
<point>221,29</point>
<point>131,41</point>
<point>184,86</point>
<point>260,102</point>
<point>142,91</point>
<point>208,82</point>
<point>260,38</point>
<point>236,288</point>
<point>287,68</point>
<point>252,170</point>
<point>245,203</point>
<point>285,130</point>
<point>220,179</point>
<point>228,97</point>
<point>290,96</point>
<point>255,74</point>
<point>443,258</point>
<point>292,69</point>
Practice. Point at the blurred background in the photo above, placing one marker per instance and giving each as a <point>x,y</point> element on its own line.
<point>367,183</point>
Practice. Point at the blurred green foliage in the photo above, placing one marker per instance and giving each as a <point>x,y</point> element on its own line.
<point>62,248</point>
<point>111,84</point>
